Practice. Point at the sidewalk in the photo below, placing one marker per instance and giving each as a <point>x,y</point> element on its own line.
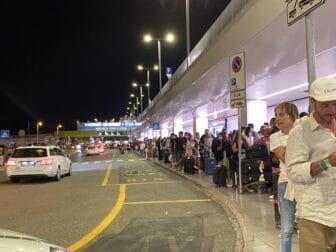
<point>254,212</point>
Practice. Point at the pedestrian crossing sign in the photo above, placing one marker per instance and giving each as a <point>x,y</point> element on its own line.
<point>4,133</point>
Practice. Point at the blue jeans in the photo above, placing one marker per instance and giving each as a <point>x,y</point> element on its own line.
<point>287,218</point>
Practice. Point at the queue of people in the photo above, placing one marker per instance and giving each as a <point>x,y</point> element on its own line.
<point>302,149</point>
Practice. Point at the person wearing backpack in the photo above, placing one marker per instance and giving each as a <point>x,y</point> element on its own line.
<point>221,150</point>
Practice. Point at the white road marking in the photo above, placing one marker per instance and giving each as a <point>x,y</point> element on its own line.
<point>107,161</point>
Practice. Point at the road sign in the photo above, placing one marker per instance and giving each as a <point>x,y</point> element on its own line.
<point>4,133</point>
<point>238,95</point>
<point>22,133</point>
<point>238,103</point>
<point>237,72</point>
<point>237,81</point>
<point>296,9</point>
<point>156,126</point>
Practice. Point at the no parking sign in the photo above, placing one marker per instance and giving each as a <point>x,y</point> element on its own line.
<point>237,72</point>
<point>237,80</point>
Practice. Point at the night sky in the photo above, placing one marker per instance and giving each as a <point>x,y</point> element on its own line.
<point>62,61</point>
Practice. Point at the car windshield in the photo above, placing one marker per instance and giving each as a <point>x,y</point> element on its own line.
<point>91,147</point>
<point>33,152</point>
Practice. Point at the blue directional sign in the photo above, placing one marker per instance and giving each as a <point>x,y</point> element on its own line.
<point>4,133</point>
<point>169,72</point>
<point>156,126</point>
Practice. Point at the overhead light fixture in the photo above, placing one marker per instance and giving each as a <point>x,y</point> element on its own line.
<point>286,90</point>
<point>216,112</point>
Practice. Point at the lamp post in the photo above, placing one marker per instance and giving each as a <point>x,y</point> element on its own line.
<point>39,124</point>
<point>134,84</point>
<point>137,103</point>
<point>141,68</point>
<point>59,126</point>
<point>169,38</point>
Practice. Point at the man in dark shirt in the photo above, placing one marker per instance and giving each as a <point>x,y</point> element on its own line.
<point>180,145</point>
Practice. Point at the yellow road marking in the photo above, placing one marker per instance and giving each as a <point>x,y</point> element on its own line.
<point>147,183</point>
<point>166,201</point>
<point>107,175</point>
<point>102,225</point>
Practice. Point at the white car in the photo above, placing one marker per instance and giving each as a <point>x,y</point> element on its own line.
<point>38,161</point>
<point>12,241</point>
<point>92,150</point>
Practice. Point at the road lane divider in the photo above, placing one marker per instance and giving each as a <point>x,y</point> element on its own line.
<point>103,224</point>
<point>107,175</point>
<point>166,201</point>
<point>147,183</point>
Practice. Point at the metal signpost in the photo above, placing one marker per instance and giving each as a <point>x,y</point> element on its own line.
<point>238,97</point>
<point>296,9</point>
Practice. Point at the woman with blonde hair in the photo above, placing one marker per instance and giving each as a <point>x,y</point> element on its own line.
<point>285,115</point>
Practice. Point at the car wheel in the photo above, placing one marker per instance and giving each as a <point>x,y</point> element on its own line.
<point>58,175</point>
<point>70,170</point>
<point>14,180</point>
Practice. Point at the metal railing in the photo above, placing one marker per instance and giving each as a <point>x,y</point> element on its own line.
<point>227,15</point>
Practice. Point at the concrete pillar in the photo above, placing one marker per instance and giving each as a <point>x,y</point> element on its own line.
<point>164,129</point>
<point>150,133</point>
<point>194,123</point>
<point>178,125</point>
<point>201,124</point>
<point>256,113</point>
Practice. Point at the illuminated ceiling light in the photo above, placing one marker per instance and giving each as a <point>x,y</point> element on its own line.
<point>284,91</point>
<point>219,111</point>
<point>188,121</point>
<point>332,75</point>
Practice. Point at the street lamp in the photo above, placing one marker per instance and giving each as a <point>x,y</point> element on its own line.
<point>169,38</point>
<point>141,68</point>
<point>39,124</point>
<point>137,102</point>
<point>134,84</point>
<point>59,126</point>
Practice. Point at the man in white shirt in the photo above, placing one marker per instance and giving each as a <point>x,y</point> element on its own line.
<point>311,166</point>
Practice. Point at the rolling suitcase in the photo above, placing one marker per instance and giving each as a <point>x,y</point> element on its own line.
<point>250,178</point>
<point>249,166</point>
<point>219,176</point>
<point>188,165</point>
<point>257,151</point>
<point>166,156</point>
<point>199,163</point>
<point>209,166</point>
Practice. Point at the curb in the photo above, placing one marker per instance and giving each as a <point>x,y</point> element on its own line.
<point>244,231</point>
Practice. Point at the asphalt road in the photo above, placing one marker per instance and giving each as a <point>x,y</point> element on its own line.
<point>116,202</point>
